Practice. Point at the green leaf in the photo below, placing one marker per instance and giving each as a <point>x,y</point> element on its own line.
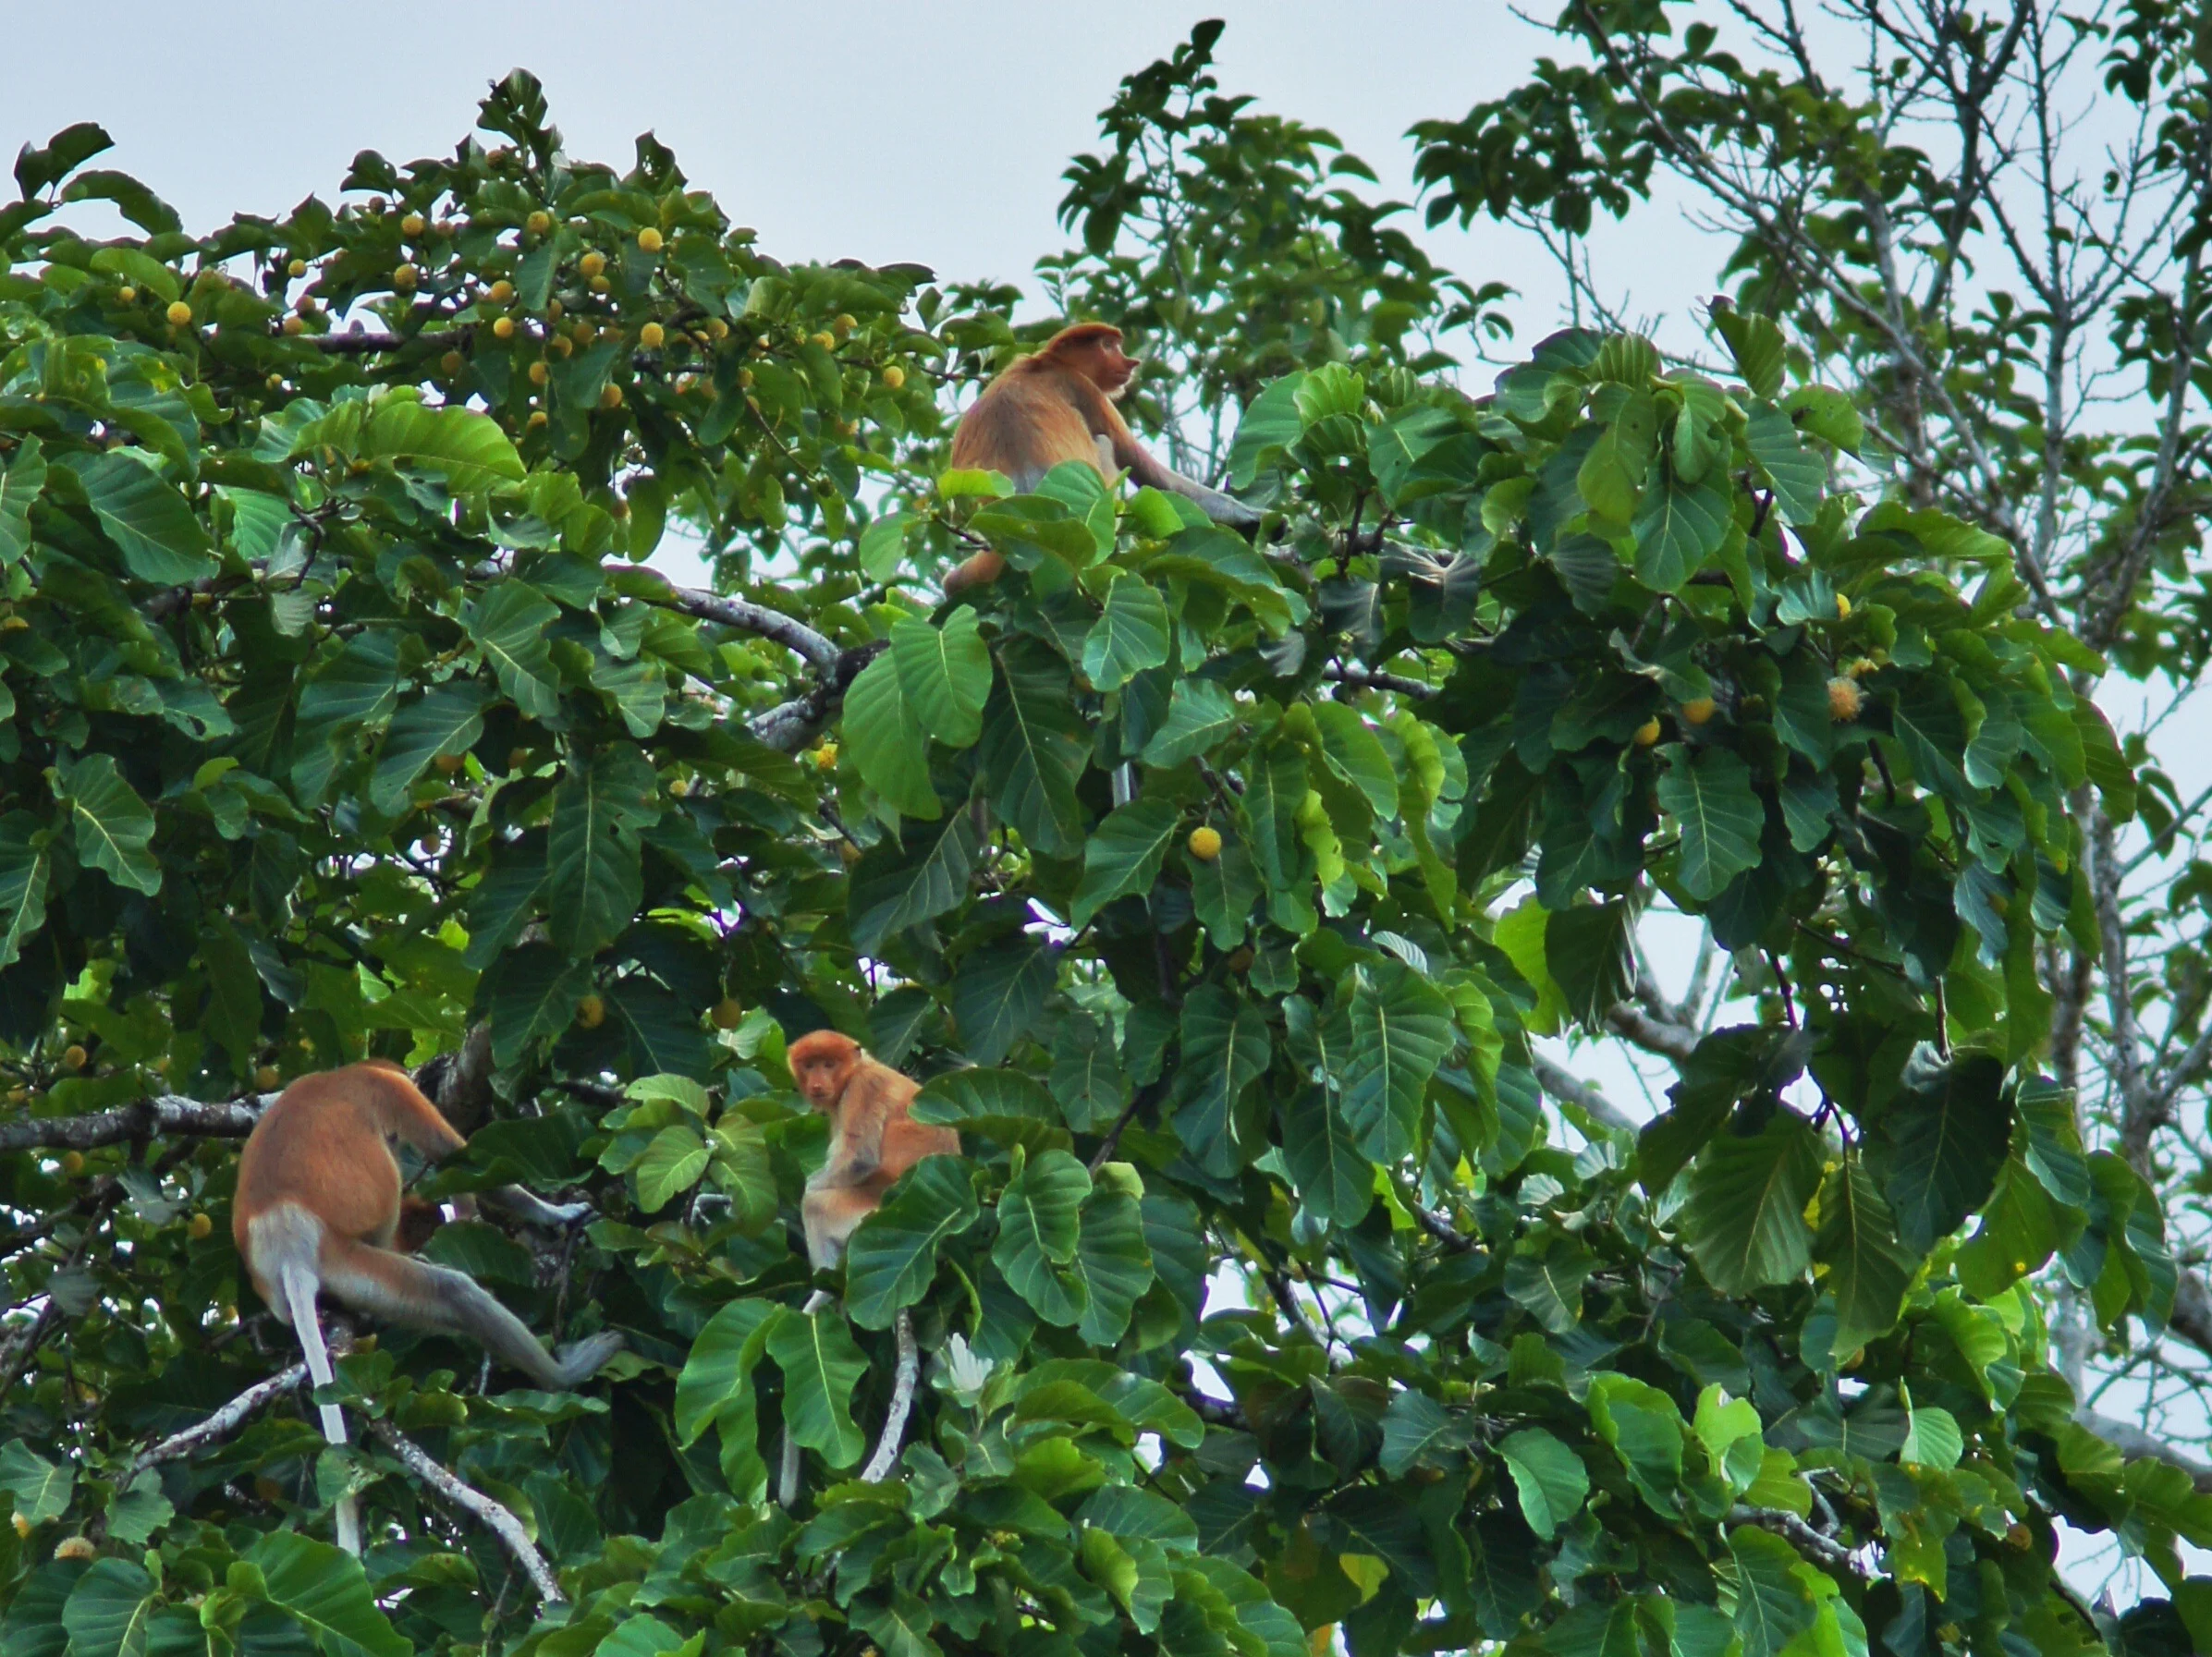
<point>112,827</point>
<point>1401,1030</point>
<point>1225,1049</point>
<point>1000,993</point>
<point>886,737</point>
<point>893,1257</point>
<point>1550,1478</point>
<point>899,884</point>
<point>449,720</point>
<point>109,1609</point>
<point>1040,1224</point>
<point>1772,1606</point>
<point>26,868</point>
<point>150,521</point>
<point>1677,529</point>
<point>1200,715</point>
<point>718,1375</point>
<point>1003,1105</point>
<point>533,993</point>
<point>1799,477</point>
<point>1868,1269</point>
<point>1931,1438</point>
<point>19,485</point>
<point>1645,1430</point>
<point>1130,637</point>
<point>509,623</point>
<point>671,1165</point>
<point>325,1590</point>
<point>1707,791</point>
<point>1950,1131</point>
<point>1828,415</point>
<point>1124,855</point>
<point>1112,1263</point>
<point>1744,1220</point>
<point>466,448</point>
<point>594,861</point>
<point>1332,1178</point>
<point>822,1368</point>
<point>1271,422</point>
<point>1035,747</point>
<point>1417,1429</point>
<point>945,673</point>
<point>1354,752</point>
<point>41,1488</point>
<point>1756,345</point>
<point>1611,476</point>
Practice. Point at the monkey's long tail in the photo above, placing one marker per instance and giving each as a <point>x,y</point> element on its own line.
<point>287,1242</point>
<point>787,1485</point>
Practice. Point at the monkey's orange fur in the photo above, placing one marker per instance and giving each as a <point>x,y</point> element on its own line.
<point>872,1139</point>
<point>1059,406</point>
<point>319,1208</point>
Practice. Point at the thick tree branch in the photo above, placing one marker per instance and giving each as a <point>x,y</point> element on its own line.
<point>885,1458</point>
<point>1582,1096</point>
<point>2132,1441</point>
<point>1632,1024</point>
<point>497,1517</point>
<point>1825,1550</point>
<point>167,1112</point>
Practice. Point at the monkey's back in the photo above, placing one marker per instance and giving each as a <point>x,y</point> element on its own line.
<point>322,1145</point>
<point>1032,417</point>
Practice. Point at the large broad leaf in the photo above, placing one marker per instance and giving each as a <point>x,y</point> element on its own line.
<point>1756,342</point>
<point>893,1256</point>
<point>147,518</point>
<point>1040,1223</point>
<point>1004,1105</point>
<point>1868,1268</point>
<point>1401,1030</point>
<point>25,867</point>
<point>1677,529</point>
<point>447,721</point>
<point>325,1592</point>
<point>1034,748</point>
<point>1611,475</point>
<point>20,482</point>
<point>1124,855</point>
<point>1590,953</point>
<point>1948,1130</point>
<point>885,737</point>
<point>1744,1220</point>
<point>1130,637</point>
<point>1707,791</point>
<point>917,877</point>
<point>674,1160</point>
<point>1799,476</point>
<point>1226,1047</point>
<point>595,876</point>
<point>508,624</point>
<point>1772,1604</point>
<point>112,827</point>
<point>999,996</point>
<point>946,675</point>
<point>822,1368</point>
<point>718,1375</point>
<point>533,993</point>
<point>1645,1430</point>
<point>1550,1478</point>
<point>466,448</point>
<point>1200,714</point>
<point>1354,752</point>
<point>1333,1179</point>
<point>1113,1264</point>
<point>109,1610</point>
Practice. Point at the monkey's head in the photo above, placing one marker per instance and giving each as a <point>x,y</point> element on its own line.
<point>822,1062</point>
<point>1093,350</point>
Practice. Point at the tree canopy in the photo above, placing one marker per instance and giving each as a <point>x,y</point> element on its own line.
<point>1228,893</point>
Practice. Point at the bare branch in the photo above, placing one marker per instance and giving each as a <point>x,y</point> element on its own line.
<point>167,1112</point>
<point>902,1400</point>
<point>1582,1097</point>
<point>220,1425</point>
<point>495,1516</point>
<point>2132,1441</point>
<point>1826,1549</point>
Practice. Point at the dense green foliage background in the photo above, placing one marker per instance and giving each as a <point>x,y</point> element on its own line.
<point>1269,1305</point>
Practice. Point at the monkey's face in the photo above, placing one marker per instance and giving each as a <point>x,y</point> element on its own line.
<point>1109,370</point>
<point>822,1064</point>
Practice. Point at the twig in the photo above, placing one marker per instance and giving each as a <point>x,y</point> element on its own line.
<point>786,631</point>
<point>1656,1035</point>
<point>1438,1226</point>
<point>1789,1527</point>
<point>902,1400</point>
<point>1141,1098</point>
<point>1583,1097</point>
<point>221,1424</point>
<point>495,1516</point>
<point>1368,678</point>
<point>2132,1441</point>
<point>167,1112</point>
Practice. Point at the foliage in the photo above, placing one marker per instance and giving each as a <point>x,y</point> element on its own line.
<point>1267,1299</point>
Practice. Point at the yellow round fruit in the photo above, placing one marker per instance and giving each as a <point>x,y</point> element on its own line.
<point>537,223</point>
<point>72,1163</point>
<point>679,788</point>
<point>267,1078</point>
<point>19,1095</point>
<point>1206,843</point>
<point>404,277</point>
<point>1697,710</point>
<point>592,263</point>
<point>826,339</point>
<point>307,305</point>
<point>413,224</point>
<point>452,362</point>
<point>825,757</point>
<point>297,267</point>
<point>601,285</point>
<point>449,765</point>
<point>1648,733</point>
<point>894,376</point>
<point>745,379</point>
<point>649,241</point>
<point>179,312</point>
<point>22,1525</point>
<point>651,335</point>
<point>846,323</point>
<point>76,1547</point>
<point>729,1012</point>
<point>75,1055</point>
<point>537,419</point>
<point>591,1012</point>
<point>582,333</point>
<point>501,292</point>
<point>539,372</point>
<point>561,346</point>
<point>1843,700</point>
<point>293,324</point>
<point>199,1227</point>
<point>611,395</point>
<point>127,293</point>
<point>1842,606</point>
<point>716,328</point>
<point>553,310</point>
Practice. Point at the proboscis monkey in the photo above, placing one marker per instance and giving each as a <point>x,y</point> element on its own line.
<point>872,1139</point>
<point>319,1208</point>
<point>1058,405</point>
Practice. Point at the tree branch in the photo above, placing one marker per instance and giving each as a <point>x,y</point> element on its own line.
<point>902,1400</point>
<point>167,1112</point>
<point>1631,1023</point>
<point>495,1516</point>
<point>221,1424</point>
<point>1826,1549</point>
<point>1583,1097</point>
<point>2132,1441</point>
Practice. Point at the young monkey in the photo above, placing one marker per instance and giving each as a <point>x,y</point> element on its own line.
<point>319,1208</point>
<point>1057,405</point>
<point>872,1139</point>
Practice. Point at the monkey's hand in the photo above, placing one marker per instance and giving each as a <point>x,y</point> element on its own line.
<point>535,1210</point>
